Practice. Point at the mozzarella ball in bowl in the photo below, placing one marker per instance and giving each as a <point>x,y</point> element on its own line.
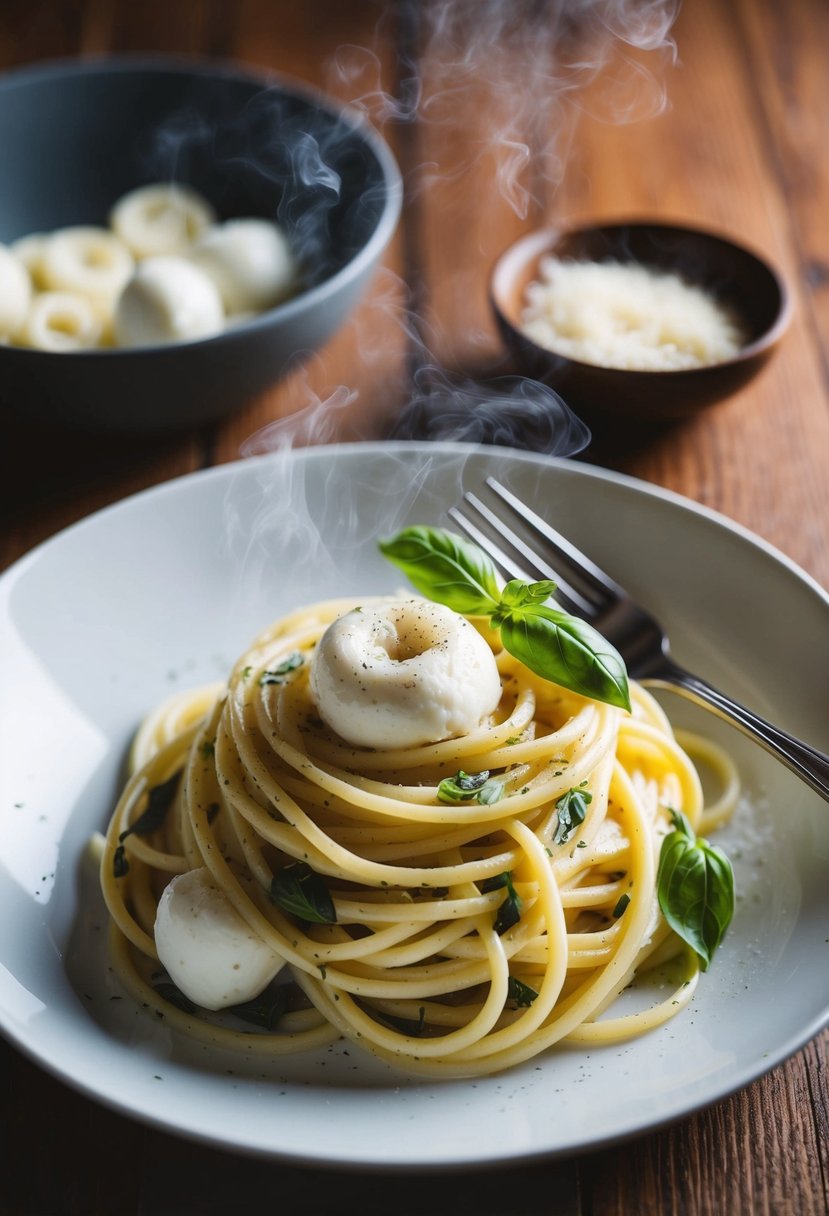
<point>403,673</point>
<point>161,218</point>
<point>251,263</point>
<point>89,261</point>
<point>167,300</point>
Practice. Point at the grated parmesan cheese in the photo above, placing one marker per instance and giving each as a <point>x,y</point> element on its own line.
<point>625,315</point>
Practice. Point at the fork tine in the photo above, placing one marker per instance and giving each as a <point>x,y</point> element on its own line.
<point>529,565</point>
<point>596,586</point>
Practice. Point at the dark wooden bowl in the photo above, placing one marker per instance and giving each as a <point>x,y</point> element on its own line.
<point>739,278</point>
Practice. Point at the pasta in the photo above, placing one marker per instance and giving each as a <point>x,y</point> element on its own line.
<point>493,894</point>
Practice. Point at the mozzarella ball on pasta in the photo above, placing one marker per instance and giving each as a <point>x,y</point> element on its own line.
<point>210,952</point>
<point>161,218</point>
<point>89,261</point>
<point>15,293</point>
<point>167,300</point>
<point>251,263</point>
<point>62,322</point>
<point>403,673</point>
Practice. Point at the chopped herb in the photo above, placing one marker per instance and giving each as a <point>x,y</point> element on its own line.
<point>572,810</point>
<point>522,995</point>
<point>173,995</point>
<point>212,811</point>
<point>408,1026</point>
<point>509,913</point>
<point>621,904</point>
<point>463,787</point>
<point>582,844</point>
<point>120,865</point>
<point>301,891</point>
<point>208,748</point>
<point>266,1009</point>
<point>159,801</point>
<point>278,674</point>
<point>246,672</point>
<point>472,787</point>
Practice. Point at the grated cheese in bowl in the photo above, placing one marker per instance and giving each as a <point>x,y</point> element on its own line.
<point>627,315</point>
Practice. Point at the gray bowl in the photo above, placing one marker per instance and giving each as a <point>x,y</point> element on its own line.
<point>75,136</point>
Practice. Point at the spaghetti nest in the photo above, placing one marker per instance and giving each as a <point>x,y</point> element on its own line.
<point>474,920</point>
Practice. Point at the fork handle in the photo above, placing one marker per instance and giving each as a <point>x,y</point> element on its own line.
<point>811,765</point>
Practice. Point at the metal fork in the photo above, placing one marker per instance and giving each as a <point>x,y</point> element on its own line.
<point>528,548</point>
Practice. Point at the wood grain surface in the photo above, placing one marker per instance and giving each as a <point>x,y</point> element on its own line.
<point>550,120</point>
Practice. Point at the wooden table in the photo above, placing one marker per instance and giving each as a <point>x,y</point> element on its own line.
<point>490,143</point>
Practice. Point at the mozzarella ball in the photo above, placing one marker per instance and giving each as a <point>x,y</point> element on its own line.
<point>210,952</point>
<point>167,300</point>
<point>160,219</point>
<point>403,673</point>
<point>15,293</point>
<point>89,261</point>
<point>30,250</point>
<point>62,322</point>
<point>251,263</point>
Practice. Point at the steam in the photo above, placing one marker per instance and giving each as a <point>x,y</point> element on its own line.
<point>524,69</point>
<point>498,88</point>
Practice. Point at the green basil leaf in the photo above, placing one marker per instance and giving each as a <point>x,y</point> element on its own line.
<point>445,568</point>
<point>492,791</point>
<point>159,801</point>
<point>299,890</point>
<point>695,888</point>
<point>566,650</point>
<point>518,594</point>
<point>572,810</point>
<point>520,993</point>
<point>463,787</point>
<point>509,913</point>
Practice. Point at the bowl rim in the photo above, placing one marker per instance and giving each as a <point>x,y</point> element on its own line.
<point>539,239</point>
<point>199,65</point>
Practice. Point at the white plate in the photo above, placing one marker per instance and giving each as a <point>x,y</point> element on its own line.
<point>165,589</point>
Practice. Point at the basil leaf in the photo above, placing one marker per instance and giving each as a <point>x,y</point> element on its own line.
<point>171,993</point>
<point>518,594</point>
<point>522,994</point>
<point>301,891</point>
<point>695,888</point>
<point>408,1026</point>
<point>159,801</point>
<point>566,650</point>
<point>264,1010</point>
<point>472,787</point>
<point>445,568</point>
<point>492,791</point>
<point>572,810</point>
<point>463,787</point>
<point>509,913</point>
<point>278,674</point>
